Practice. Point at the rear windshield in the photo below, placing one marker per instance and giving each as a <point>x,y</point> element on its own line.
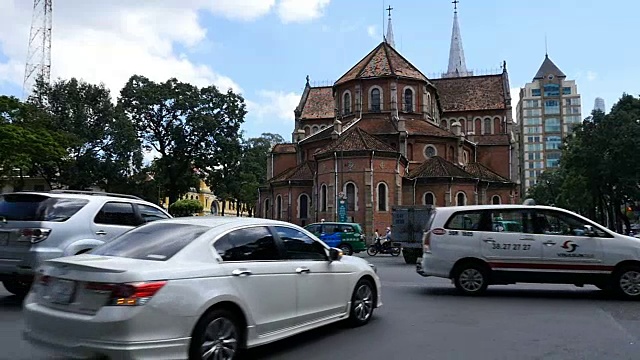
<point>154,241</point>
<point>35,207</point>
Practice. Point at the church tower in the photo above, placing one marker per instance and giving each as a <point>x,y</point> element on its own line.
<point>457,65</point>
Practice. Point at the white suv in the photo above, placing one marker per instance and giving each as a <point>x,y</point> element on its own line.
<point>476,246</point>
<point>38,226</point>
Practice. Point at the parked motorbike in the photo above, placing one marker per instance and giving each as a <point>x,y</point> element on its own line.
<point>387,247</point>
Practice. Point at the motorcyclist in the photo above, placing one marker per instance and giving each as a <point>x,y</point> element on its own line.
<point>387,238</point>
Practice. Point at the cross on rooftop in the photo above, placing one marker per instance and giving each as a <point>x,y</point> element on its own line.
<point>455,4</point>
<point>389,10</point>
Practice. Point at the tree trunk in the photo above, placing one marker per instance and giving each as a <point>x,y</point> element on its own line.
<point>224,205</point>
<point>238,208</point>
<point>623,219</point>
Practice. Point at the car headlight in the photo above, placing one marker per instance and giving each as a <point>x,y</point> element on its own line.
<point>375,269</point>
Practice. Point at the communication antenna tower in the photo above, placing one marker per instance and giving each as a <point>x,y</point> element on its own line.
<point>38,65</point>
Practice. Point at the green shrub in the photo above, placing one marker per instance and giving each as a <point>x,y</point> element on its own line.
<point>185,207</point>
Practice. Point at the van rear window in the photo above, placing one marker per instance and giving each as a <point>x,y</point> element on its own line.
<point>35,207</point>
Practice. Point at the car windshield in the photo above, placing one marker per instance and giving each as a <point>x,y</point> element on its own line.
<point>35,207</point>
<point>156,241</point>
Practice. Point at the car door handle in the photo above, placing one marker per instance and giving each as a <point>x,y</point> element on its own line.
<point>241,272</point>
<point>101,232</point>
<point>527,239</point>
<point>549,243</point>
<point>489,241</point>
<point>302,270</point>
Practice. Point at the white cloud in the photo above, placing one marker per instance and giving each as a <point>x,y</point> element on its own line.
<point>591,75</point>
<point>372,31</point>
<point>291,11</point>
<point>122,37</point>
<point>119,39</point>
<point>242,9</point>
<point>274,105</point>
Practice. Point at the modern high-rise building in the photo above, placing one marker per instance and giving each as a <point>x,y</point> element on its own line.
<point>599,104</point>
<point>548,109</point>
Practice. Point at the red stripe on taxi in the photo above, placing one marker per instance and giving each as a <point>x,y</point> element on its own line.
<point>538,266</point>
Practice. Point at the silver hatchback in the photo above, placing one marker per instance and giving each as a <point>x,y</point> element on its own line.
<point>38,226</point>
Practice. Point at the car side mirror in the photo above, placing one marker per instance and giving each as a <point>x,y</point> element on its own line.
<point>335,254</point>
<point>588,231</point>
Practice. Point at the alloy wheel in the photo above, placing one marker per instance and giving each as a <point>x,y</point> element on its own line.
<point>363,302</point>
<point>471,280</point>
<point>220,340</point>
<point>630,283</point>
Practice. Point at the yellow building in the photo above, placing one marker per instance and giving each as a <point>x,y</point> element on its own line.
<point>210,203</point>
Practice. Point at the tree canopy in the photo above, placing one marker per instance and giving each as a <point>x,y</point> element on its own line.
<point>599,171</point>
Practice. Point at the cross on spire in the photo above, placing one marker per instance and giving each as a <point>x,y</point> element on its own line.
<point>455,5</point>
<point>389,10</point>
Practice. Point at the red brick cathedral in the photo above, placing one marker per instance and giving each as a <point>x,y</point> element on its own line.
<point>384,134</point>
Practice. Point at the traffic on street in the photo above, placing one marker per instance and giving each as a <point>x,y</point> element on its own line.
<point>427,318</point>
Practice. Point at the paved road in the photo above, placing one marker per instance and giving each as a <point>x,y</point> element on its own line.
<point>425,318</point>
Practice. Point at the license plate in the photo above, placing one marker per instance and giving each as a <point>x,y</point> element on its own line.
<point>4,238</point>
<point>62,291</point>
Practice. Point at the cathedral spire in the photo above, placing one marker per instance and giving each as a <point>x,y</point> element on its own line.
<point>389,38</point>
<point>457,66</point>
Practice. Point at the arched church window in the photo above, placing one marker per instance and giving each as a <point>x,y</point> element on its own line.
<point>279,207</point>
<point>382,197</point>
<point>351,196</point>
<point>429,199</point>
<point>408,100</point>
<point>303,212</point>
<point>487,126</point>
<point>461,199</point>
<point>375,100</point>
<point>323,197</point>
<point>346,101</point>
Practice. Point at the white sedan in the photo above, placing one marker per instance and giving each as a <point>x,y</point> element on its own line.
<point>196,288</point>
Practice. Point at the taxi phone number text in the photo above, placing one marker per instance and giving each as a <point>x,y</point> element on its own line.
<point>523,247</point>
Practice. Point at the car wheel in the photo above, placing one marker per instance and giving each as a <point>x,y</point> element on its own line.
<point>346,249</point>
<point>17,287</point>
<point>627,282</point>
<point>372,250</point>
<point>362,303</point>
<point>471,279</point>
<point>396,251</point>
<point>217,336</point>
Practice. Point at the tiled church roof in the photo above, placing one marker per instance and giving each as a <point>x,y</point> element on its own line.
<point>356,139</point>
<point>384,60</point>
<point>303,171</point>
<point>471,93</point>
<point>437,166</point>
<point>319,103</point>
<point>484,173</point>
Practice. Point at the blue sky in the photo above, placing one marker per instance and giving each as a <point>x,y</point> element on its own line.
<point>267,47</point>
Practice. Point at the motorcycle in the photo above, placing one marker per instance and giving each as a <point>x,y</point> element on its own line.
<point>387,247</point>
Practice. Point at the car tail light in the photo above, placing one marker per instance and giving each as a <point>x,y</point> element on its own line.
<point>34,235</point>
<point>426,243</point>
<point>132,294</point>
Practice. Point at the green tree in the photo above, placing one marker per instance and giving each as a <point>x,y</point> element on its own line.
<point>102,147</point>
<point>253,167</point>
<point>600,168</point>
<point>26,148</point>
<point>187,127</point>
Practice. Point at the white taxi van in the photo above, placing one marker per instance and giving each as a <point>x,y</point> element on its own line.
<point>481,245</point>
